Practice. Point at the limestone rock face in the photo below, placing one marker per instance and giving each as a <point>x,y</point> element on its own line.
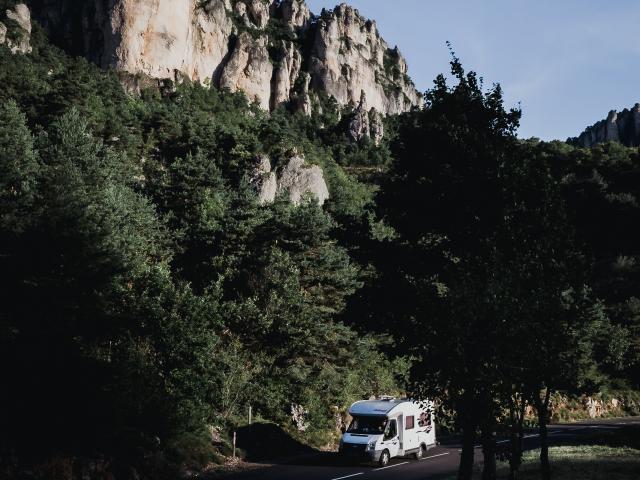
<point>295,13</point>
<point>286,73</point>
<point>349,57</point>
<point>227,44</point>
<point>154,38</point>
<point>612,133</point>
<point>20,41</point>
<point>158,38</point>
<point>622,127</point>
<point>21,15</point>
<point>260,12</point>
<point>299,179</point>
<point>249,69</point>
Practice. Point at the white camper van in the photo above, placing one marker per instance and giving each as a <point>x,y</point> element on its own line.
<point>383,429</point>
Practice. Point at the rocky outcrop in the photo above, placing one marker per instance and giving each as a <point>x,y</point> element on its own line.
<point>622,127</point>
<point>376,126</point>
<point>15,30</point>
<point>359,124</point>
<point>255,46</point>
<point>349,57</point>
<point>297,179</point>
<point>366,122</point>
<point>302,98</point>
<point>300,179</point>
<point>264,180</point>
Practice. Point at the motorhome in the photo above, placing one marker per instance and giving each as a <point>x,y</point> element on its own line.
<point>387,428</point>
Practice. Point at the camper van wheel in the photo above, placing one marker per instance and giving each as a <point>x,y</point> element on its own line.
<point>384,458</point>
<point>420,453</point>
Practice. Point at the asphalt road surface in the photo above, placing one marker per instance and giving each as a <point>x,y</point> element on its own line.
<point>439,461</point>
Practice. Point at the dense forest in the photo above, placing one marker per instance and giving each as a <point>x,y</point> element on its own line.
<point>149,298</point>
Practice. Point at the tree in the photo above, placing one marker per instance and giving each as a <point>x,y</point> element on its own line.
<point>538,265</point>
<point>19,169</point>
<point>89,242</point>
<point>445,202</point>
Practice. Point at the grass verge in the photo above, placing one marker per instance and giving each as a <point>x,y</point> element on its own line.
<point>583,462</point>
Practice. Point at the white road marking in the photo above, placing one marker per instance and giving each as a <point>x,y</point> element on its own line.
<point>349,476</point>
<point>526,436</point>
<point>434,456</point>
<point>390,466</point>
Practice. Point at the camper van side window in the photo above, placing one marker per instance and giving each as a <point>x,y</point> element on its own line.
<point>391,430</point>
<point>409,423</point>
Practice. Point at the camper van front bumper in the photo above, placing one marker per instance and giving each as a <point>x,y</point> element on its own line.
<point>360,451</point>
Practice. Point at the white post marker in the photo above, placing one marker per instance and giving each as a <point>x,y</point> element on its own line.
<point>234,444</point>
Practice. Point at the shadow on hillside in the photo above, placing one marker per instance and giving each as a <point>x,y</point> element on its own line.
<point>262,442</point>
<point>268,443</point>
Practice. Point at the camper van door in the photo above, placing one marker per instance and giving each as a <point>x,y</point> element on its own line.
<point>411,439</point>
<point>391,440</point>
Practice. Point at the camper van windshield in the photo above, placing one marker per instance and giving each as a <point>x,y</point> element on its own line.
<point>371,425</point>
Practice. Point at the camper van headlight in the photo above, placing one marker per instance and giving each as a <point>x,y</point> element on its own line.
<point>371,445</point>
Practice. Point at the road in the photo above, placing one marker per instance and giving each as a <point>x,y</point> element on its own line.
<point>439,461</point>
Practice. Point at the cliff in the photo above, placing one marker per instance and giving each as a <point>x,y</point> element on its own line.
<point>622,127</point>
<point>274,51</point>
<point>349,57</point>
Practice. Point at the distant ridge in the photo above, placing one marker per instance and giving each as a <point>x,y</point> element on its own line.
<point>622,127</point>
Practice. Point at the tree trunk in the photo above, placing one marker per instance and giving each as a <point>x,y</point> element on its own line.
<point>516,411</point>
<point>465,470</point>
<point>543,418</point>
<point>489,453</point>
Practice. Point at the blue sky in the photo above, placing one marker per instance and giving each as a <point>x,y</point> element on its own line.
<point>568,62</point>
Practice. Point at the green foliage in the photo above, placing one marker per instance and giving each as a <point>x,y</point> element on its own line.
<point>151,296</point>
<point>148,293</point>
<point>483,281</point>
<point>19,168</point>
